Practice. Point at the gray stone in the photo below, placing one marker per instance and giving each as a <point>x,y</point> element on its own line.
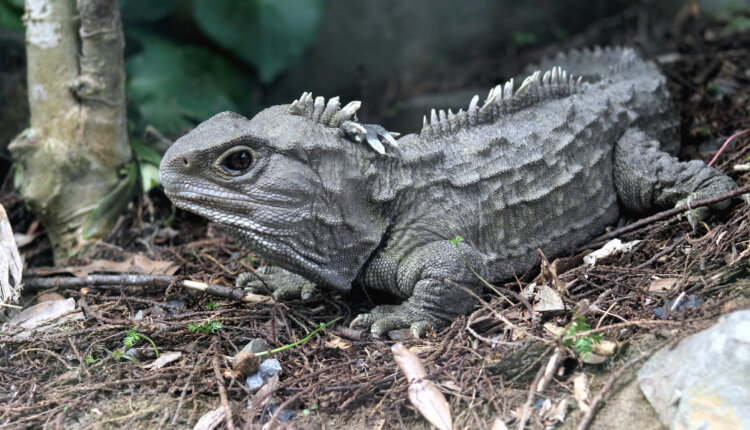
<point>703,382</point>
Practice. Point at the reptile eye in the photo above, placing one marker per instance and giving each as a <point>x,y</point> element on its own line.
<point>237,161</point>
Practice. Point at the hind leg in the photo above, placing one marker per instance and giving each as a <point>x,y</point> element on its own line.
<point>648,179</point>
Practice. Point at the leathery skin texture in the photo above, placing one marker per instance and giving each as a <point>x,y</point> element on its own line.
<point>545,164</point>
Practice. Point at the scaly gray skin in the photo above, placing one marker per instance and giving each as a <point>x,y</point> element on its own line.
<point>305,186</point>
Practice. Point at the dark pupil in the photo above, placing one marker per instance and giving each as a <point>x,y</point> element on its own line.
<point>237,161</point>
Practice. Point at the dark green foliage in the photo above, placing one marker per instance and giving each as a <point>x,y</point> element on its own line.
<point>138,11</point>
<point>269,35</point>
<point>10,15</point>
<point>175,86</point>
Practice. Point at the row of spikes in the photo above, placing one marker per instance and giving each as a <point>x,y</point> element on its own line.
<point>330,114</point>
<point>501,100</point>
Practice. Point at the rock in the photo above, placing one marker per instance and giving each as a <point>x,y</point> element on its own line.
<point>703,382</point>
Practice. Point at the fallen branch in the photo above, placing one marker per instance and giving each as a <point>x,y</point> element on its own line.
<point>668,213</point>
<point>163,281</point>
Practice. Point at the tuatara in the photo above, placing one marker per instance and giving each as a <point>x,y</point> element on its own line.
<point>544,164</point>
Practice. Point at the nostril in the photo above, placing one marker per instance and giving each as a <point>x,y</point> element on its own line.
<point>185,161</point>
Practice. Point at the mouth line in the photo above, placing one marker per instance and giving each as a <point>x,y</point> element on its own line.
<point>202,195</point>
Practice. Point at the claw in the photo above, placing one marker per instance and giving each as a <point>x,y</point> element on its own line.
<point>694,216</point>
<point>420,328</point>
<point>362,321</point>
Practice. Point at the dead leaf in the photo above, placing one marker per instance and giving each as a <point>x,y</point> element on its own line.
<point>210,420</point>
<point>610,248</point>
<point>554,329</point>
<point>43,313</point>
<point>164,359</point>
<point>549,273</point>
<point>593,358</point>
<point>336,342</point>
<point>134,264</point>
<point>604,347</point>
<point>548,300</point>
<point>498,424</point>
<point>662,284</point>
<point>581,392</point>
<point>423,393</point>
<point>49,297</point>
<point>554,412</point>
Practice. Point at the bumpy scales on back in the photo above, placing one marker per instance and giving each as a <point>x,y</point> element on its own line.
<point>547,164</point>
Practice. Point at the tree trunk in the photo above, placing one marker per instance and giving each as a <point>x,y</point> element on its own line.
<point>68,160</point>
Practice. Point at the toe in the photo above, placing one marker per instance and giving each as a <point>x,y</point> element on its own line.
<point>420,328</point>
<point>287,292</point>
<point>362,321</point>
<point>382,326</point>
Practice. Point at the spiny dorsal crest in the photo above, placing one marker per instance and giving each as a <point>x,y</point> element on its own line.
<point>332,115</point>
<point>502,100</point>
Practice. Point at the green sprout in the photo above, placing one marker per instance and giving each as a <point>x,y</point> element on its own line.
<point>133,336</point>
<point>120,354</point>
<point>321,326</point>
<point>211,305</point>
<point>575,337</point>
<point>307,411</point>
<point>90,359</point>
<point>207,327</point>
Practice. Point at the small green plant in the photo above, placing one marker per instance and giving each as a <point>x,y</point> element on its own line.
<point>321,326</point>
<point>91,360</point>
<point>120,354</point>
<point>712,87</point>
<point>575,337</point>
<point>211,305</point>
<point>307,411</point>
<point>747,158</point>
<point>132,337</point>
<point>704,131</point>
<point>206,327</point>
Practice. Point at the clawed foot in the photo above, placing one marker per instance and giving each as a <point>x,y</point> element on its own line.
<point>385,318</point>
<point>696,215</point>
<point>282,284</point>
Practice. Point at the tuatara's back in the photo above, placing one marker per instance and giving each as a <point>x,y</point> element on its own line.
<point>545,164</point>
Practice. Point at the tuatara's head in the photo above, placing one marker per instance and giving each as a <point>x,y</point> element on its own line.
<point>291,183</point>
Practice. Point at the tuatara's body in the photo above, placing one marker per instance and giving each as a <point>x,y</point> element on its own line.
<point>546,165</point>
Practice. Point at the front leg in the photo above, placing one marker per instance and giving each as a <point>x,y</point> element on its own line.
<point>283,284</point>
<point>435,280</point>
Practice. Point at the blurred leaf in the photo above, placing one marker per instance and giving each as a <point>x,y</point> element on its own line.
<point>134,11</point>
<point>10,15</point>
<point>145,153</point>
<point>739,24</point>
<point>149,177</point>
<point>148,164</point>
<point>176,86</point>
<point>268,34</point>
